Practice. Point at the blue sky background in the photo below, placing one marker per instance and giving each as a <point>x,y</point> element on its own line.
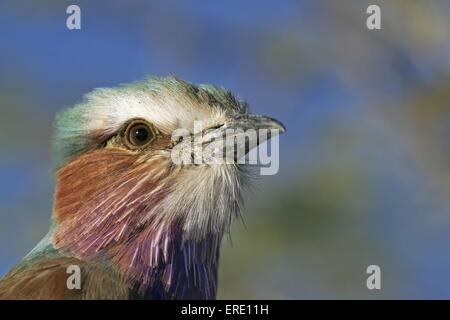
<point>365,166</point>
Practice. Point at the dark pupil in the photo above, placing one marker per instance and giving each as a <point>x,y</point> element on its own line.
<point>141,134</point>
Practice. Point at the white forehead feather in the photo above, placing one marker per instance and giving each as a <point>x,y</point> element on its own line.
<point>109,109</point>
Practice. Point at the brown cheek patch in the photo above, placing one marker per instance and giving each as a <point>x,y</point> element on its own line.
<point>102,198</point>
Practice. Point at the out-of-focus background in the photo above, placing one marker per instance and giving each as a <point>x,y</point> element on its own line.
<point>365,165</point>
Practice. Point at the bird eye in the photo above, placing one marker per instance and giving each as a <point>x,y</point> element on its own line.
<point>139,134</point>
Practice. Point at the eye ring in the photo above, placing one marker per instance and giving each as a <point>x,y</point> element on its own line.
<point>138,134</point>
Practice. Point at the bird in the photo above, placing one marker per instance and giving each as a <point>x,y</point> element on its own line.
<point>135,224</point>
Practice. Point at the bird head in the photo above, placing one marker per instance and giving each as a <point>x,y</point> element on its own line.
<point>116,179</point>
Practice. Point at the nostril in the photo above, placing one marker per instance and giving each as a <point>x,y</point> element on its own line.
<point>217,127</point>
<point>211,129</point>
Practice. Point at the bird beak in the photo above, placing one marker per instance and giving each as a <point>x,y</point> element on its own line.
<point>230,141</point>
<point>255,122</point>
<point>240,134</point>
<point>243,125</point>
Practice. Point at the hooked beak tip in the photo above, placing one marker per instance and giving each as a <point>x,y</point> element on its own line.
<point>278,125</point>
<point>263,122</point>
